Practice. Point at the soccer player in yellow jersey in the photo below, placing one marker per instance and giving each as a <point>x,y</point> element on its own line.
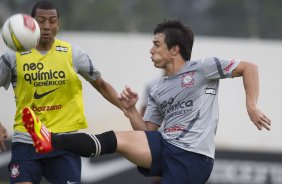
<point>46,80</point>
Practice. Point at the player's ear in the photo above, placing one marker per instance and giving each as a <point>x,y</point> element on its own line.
<point>174,50</point>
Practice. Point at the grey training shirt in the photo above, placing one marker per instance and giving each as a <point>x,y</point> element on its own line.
<point>187,104</point>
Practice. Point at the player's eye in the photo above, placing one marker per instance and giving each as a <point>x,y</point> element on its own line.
<point>40,20</point>
<point>53,20</point>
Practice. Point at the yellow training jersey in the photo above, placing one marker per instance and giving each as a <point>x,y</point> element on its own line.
<point>49,85</point>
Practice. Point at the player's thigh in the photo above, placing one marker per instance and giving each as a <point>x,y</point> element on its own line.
<point>134,146</point>
<point>64,168</point>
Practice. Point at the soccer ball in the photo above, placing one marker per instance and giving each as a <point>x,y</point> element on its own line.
<point>21,32</point>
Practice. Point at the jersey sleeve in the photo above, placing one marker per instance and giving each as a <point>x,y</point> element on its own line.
<point>218,68</point>
<point>7,64</point>
<point>84,65</point>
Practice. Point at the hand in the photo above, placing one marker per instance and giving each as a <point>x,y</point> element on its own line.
<point>259,119</point>
<point>128,98</point>
<point>3,136</point>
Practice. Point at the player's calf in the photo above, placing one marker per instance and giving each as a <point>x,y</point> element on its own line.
<point>83,144</point>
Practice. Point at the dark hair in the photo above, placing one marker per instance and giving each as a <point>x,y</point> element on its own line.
<point>177,34</point>
<point>44,5</point>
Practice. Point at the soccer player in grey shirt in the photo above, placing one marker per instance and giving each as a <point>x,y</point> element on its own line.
<point>186,101</point>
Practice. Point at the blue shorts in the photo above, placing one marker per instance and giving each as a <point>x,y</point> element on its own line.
<point>57,166</point>
<point>175,165</point>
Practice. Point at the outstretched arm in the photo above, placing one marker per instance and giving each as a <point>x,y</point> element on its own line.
<point>106,90</point>
<point>128,99</point>
<point>249,72</point>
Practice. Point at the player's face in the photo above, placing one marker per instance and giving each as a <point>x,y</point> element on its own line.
<point>161,55</point>
<point>49,24</point>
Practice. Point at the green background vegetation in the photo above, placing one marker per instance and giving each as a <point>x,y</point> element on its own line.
<point>229,18</point>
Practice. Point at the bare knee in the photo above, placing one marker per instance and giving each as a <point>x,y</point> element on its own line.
<point>127,139</point>
<point>134,146</point>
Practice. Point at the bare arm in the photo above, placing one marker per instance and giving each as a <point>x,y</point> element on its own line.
<point>3,137</point>
<point>106,90</point>
<point>249,72</point>
<point>128,100</point>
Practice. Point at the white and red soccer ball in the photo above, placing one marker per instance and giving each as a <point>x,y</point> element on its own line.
<point>21,32</point>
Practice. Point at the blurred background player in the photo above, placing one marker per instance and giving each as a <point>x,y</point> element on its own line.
<point>143,107</point>
<point>46,79</point>
<point>147,90</point>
